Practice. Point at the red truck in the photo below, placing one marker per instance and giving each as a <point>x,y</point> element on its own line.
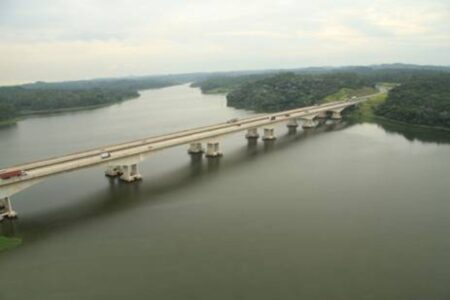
<point>9,174</point>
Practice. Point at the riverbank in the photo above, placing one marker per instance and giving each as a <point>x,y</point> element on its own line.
<point>411,124</point>
<point>24,114</point>
<point>9,122</point>
<point>70,109</point>
<point>365,112</point>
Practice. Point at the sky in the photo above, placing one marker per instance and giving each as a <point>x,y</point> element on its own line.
<point>51,40</point>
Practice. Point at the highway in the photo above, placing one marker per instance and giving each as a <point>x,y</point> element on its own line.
<point>138,150</point>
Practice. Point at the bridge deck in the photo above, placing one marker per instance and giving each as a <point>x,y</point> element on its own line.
<point>118,152</point>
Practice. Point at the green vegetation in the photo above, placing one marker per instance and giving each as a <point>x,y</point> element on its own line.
<point>8,243</point>
<point>366,110</point>
<point>422,101</point>
<point>418,95</point>
<point>226,84</point>
<point>43,97</point>
<point>16,101</point>
<point>288,90</point>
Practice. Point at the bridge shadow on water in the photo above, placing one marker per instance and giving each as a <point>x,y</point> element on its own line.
<point>120,196</point>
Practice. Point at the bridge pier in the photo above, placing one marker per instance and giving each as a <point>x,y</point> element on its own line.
<point>130,173</point>
<point>336,115</point>
<point>252,133</point>
<point>6,210</point>
<point>309,123</point>
<point>213,150</point>
<point>195,148</point>
<point>269,134</point>
<point>292,124</point>
<point>113,171</point>
<point>322,115</point>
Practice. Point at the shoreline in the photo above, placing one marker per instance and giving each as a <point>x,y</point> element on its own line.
<point>9,122</point>
<point>24,114</point>
<point>380,118</point>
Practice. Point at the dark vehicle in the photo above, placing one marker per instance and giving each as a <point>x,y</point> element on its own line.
<point>272,118</point>
<point>234,120</point>
<point>14,173</point>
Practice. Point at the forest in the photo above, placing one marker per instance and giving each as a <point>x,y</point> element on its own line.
<point>47,97</point>
<point>422,96</point>
<point>422,100</point>
<point>289,90</point>
<point>42,96</point>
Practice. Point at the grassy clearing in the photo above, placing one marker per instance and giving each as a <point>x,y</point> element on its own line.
<point>8,243</point>
<point>365,110</point>
<point>346,93</point>
<point>388,85</point>
<point>220,90</point>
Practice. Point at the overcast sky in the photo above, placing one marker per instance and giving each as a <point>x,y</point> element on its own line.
<point>54,40</point>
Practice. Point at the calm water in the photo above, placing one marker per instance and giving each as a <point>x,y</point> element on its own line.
<point>340,212</point>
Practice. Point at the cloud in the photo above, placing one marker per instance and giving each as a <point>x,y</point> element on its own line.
<point>56,40</point>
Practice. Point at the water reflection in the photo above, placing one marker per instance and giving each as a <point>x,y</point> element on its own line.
<point>269,145</point>
<point>8,228</point>
<point>412,133</point>
<point>120,195</point>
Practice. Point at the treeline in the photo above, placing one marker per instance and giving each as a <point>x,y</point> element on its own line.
<point>399,73</point>
<point>423,100</point>
<point>225,84</point>
<point>17,100</point>
<point>423,96</point>
<point>289,90</point>
<point>138,83</point>
<point>42,96</point>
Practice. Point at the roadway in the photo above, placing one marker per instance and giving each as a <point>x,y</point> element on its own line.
<point>138,150</point>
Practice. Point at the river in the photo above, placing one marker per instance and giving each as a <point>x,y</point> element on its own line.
<point>339,212</point>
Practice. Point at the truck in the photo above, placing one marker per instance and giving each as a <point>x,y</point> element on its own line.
<point>13,173</point>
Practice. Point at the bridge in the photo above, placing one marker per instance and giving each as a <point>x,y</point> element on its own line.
<point>121,160</point>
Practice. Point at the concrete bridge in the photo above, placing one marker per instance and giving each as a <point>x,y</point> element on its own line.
<point>122,160</point>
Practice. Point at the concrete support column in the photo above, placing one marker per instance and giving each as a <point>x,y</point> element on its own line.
<point>130,173</point>
<point>269,134</point>
<point>336,115</point>
<point>322,115</point>
<point>212,149</point>
<point>292,123</point>
<point>309,123</point>
<point>252,133</point>
<point>195,148</point>
<point>113,171</point>
<point>6,210</point>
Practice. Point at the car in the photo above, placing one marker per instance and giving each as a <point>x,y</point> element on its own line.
<point>105,155</point>
<point>272,118</point>
<point>234,120</point>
